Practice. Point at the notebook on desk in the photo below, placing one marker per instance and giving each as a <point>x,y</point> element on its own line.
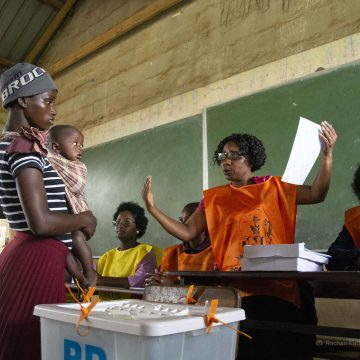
<point>280,264</point>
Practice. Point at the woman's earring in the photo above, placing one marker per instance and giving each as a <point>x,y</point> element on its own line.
<point>137,231</point>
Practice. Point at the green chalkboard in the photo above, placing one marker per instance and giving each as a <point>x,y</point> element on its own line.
<point>273,116</point>
<point>171,153</point>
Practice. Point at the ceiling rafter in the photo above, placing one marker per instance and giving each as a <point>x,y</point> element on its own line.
<point>49,32</point>
<point>6,62</point>
<point>139,18</point>
<point>56,4</point>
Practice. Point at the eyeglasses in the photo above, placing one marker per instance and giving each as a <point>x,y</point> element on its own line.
<point>231,155</point>
<point>125,222</point>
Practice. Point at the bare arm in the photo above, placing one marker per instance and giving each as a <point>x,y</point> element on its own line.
<point>195,225</point>
<point>42,221</point>
<point>306,194</point>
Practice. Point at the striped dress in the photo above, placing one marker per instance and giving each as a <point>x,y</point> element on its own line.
<point>31,268</point>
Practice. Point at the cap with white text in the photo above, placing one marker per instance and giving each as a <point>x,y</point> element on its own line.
<point>24,79</point>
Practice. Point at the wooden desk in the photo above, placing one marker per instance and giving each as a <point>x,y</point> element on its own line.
<point>327,284</point>
<point>318,276</point>
<point>136,292</point>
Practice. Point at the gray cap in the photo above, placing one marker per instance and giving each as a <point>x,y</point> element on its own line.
<point>24,79</point>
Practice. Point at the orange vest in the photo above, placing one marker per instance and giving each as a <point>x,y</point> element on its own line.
<point>258,214</point>
<point>175,259</point>
<point>352,224</point>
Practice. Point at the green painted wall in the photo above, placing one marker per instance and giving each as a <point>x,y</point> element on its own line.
<point>172,154</point>
<point>273,116</point>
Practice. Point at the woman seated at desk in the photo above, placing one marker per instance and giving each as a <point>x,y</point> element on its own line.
<point>128,264</point>
<point>193,255</point>
<point>254,210</point>
<point>345,250</point>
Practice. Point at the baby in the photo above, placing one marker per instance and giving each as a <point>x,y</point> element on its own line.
<point>65,145</point>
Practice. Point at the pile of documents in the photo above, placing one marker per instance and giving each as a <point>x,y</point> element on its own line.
<point>282,257</point>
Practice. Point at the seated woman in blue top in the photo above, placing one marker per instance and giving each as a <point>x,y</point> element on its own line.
<point>345,250</point>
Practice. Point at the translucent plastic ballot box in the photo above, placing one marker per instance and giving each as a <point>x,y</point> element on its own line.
<point>137,330</point>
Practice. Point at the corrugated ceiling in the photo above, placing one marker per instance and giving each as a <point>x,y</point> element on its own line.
<point>26,27</point>
<point>22,23</point>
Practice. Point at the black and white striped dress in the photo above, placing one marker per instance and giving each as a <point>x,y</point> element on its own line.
<point>10,166</point>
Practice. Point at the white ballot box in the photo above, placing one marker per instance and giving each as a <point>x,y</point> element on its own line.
<point>137,330</point>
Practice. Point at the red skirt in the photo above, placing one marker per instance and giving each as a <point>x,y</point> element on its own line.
<point>31,273</point>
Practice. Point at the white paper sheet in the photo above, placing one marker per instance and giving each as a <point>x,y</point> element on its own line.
<point>305,150</point>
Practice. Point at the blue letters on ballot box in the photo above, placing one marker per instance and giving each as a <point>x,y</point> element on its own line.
<point>73,351</point>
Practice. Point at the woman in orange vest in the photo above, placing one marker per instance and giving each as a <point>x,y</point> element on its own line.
<point>345,251</point>
<point>254,210</point>
<point>194,255</point>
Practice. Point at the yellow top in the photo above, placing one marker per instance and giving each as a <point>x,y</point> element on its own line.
<point>123,263</point>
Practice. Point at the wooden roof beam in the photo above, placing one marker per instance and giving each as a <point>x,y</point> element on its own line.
<point>139,18</point>
<point>45,37</point>
<point>56,4</point>
<point>6,62</point>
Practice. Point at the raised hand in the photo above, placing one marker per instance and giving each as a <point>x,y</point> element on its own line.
<point>328,136</point>
<point>147,194</point>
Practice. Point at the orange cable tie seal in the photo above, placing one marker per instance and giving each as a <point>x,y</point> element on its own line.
<point>189,298</point>
<point>211,319</point>
<point>85,311</point>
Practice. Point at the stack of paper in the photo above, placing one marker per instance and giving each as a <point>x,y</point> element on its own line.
<point>282,257</point>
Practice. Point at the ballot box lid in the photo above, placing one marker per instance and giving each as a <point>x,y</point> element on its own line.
<point>140,317</point>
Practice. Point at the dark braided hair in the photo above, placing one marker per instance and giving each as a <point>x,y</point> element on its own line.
<point>249,146</point>
<point>356,182</point>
